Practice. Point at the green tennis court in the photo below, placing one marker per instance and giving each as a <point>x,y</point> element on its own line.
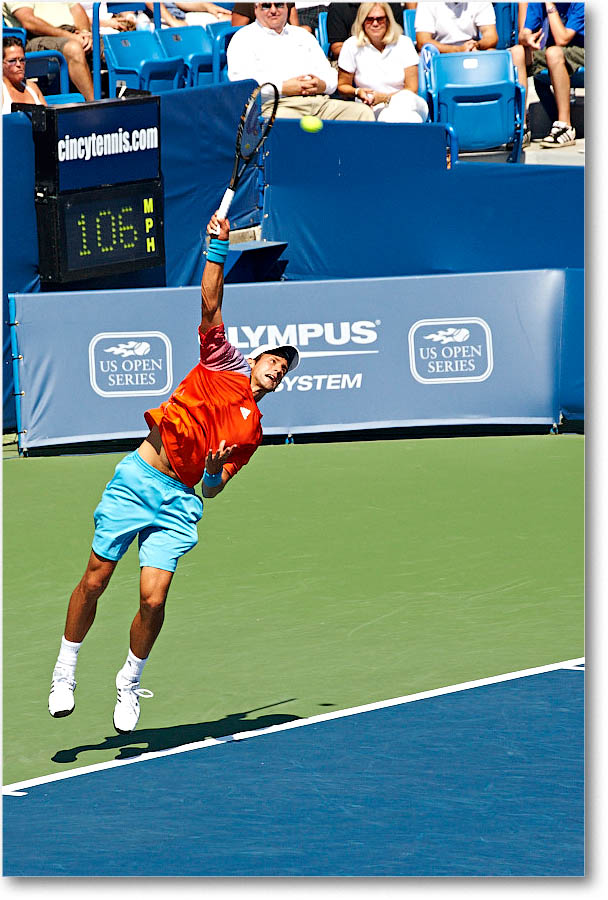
<point>327,576</point>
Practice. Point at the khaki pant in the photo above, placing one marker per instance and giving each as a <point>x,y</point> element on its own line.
<point>574,58</point>
<point>322,106</point>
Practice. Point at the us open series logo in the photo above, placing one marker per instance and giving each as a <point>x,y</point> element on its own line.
<point>450,350</point>
<point>130,364</point>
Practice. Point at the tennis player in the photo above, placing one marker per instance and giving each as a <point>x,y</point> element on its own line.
<point>208,429</point>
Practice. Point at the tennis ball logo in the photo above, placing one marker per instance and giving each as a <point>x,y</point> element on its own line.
<point>130,348</point>
<point>311,124</point>
<point>449,335</point>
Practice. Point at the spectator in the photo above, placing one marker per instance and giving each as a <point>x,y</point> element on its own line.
<point>176,15</point>
<point>15,87</point>
<point>57,26</point>
<point>379,66</point>
<point>244,14</point>
<point>108,23</point>
<point>454,27</point>
<point>203,13</point>
<point>553,38</point>
<point>170,16</point>
<point>270,50</point>
<point>308,15</point>
<point>340,20</point>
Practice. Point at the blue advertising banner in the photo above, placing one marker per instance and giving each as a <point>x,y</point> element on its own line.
<point>429,350</point>
<point>108,143</point>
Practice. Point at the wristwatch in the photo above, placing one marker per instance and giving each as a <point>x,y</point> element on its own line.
<point>551,9</point>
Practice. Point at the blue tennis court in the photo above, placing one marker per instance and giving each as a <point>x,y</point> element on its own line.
<point>483,780</point>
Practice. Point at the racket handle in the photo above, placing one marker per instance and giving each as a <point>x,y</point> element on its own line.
<point>225,204</point>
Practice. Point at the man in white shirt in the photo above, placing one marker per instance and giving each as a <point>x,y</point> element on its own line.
<point>455,27</point>
<point>291,58</point>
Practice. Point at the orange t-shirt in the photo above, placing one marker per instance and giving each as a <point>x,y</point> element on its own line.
<point>214,402</point>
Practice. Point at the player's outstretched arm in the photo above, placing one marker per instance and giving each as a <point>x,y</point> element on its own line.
<point>214,470</point>
<point>212,284</point>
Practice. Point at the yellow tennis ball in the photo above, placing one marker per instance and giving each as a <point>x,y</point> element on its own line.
<point>311,124</point>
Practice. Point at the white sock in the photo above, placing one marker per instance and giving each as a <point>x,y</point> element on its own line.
<point>133,667</point>
<point>68,654</point>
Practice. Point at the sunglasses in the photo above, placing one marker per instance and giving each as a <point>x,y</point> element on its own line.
<point>371,19</point>
<point>20,61</point>
<point>268,6</point>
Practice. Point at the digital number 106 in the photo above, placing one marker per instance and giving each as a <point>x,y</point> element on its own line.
<point>109,231</point>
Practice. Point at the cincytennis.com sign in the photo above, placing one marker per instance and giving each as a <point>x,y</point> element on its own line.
<point>93,145</point>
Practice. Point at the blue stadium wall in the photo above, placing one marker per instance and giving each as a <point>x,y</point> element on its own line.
<point>354,201</point>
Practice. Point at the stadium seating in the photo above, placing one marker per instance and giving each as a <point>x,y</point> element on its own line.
<point>195,45</point>
<point>409,17</point>
<point>321,32</point>
<point>59,99</point>
<point>221,33</point>
<point>479,95</point>
<point>506,24</point>
<point>577,80</point>
<point>138,59</point>
<point>49,67</point>
<point>8,31</point>
<point>112,8</point>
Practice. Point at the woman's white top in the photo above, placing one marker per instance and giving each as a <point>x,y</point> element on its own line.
<point>7,100</point>
<point>378,70</point>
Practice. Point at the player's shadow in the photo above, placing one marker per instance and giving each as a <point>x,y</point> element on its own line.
<point>175,735</point>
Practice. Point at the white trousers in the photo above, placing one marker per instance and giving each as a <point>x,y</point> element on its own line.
<point>405,106</point>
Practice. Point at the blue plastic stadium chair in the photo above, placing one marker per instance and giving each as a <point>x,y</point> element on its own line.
<point>321,32</point>
<point>138,59</point>
<point>9,31</point>
<point>506,24</point>
<point>194,44</point>
<point>577,80</point>
<point>221,34</point>
<point>49,64</point>
<point>113,8</point>
<point>409,17</point>
<point>61,99</point>
<point>479,95</point>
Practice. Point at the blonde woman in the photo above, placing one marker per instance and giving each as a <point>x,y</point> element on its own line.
<point>378,65</point>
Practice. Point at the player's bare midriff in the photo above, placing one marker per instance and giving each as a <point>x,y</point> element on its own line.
<point>152,451</point>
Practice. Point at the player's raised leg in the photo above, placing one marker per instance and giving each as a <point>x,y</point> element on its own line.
<point>80,616</point>
<point>154,587</point>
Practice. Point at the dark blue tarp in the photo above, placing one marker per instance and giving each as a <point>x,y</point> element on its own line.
<point>198,134</point>
<point>19,241</point>
<point>361,200</point>
<point>572,376</point>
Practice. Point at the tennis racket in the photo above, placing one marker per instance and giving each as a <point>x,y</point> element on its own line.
<point>250,135</point>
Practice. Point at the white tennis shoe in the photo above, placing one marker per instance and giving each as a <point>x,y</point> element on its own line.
<point>61,698</point>
<point>126,711</point>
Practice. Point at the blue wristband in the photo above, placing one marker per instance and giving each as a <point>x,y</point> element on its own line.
<point>212,480</point>
<point>217,251</point>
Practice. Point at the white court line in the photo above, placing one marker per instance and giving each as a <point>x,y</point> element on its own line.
<point>17,789</point>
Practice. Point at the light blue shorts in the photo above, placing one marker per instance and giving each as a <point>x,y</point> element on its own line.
<point>141,500</point>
